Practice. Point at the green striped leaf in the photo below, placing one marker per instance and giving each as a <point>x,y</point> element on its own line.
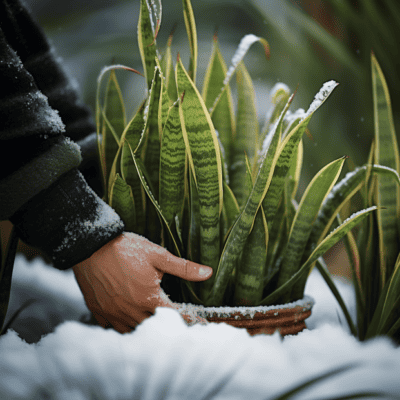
<point>388,312</point>
<point>113,117</point>
<point>168,71</point>
<point>230,211</point>
<point>108,142</point>
<point>146,41</point>
<point>145,183</point>
<point>241,51</point>
<point>164,105</point>
<point>280,94</point>
<point>205,160</point>
<point>152,150</point>
<point>288,148</point>
<point>249,284</point>
<point>386,154</point>
<point>190,24</point>
<point>131,139</point>
<point>237,238</point>
<point>122,201</point>
<point>320,250</point>
<point>223,117</point>
<point>195,222</point>
<point>339,195</point>
<point>245,143</point>
<point>172,167</point>
<point>307,211</point>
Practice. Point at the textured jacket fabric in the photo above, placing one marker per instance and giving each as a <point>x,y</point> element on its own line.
<point>41,118</point>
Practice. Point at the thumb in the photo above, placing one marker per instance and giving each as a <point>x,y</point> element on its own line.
<point>189,270</point>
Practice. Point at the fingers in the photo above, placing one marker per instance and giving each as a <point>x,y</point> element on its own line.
<point>180,267</point>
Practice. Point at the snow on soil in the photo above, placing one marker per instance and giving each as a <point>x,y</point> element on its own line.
<point>165,359</point>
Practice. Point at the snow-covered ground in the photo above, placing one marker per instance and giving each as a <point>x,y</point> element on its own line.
<point>165,359</point>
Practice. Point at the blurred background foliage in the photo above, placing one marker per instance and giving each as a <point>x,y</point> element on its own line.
<point>311,42</point>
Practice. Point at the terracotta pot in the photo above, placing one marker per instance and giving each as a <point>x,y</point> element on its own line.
<point>288,319</point>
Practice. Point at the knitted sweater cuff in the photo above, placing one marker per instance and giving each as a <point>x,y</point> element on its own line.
<point>67,221</point>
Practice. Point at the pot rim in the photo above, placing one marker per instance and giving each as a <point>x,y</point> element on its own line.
<point>306,303</point>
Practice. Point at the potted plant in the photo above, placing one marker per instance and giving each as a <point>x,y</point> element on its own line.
<point>212,187</point>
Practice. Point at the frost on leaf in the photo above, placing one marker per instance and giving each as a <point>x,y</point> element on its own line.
<point>321,96</point>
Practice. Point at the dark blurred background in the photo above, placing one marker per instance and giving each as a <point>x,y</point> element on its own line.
<point>311,42</point>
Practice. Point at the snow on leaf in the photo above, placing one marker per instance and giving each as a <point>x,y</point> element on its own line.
<point>321,96</point>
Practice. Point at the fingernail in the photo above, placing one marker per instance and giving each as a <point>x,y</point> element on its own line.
<point>204,271</point>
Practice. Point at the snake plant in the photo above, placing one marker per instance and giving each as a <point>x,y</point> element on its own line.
<point>208,183</point>
<point>374,253</point>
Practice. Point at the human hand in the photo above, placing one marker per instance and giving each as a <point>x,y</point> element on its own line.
<point>121,281</point>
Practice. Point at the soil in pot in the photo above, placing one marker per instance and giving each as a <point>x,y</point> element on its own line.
<point>287,319</point>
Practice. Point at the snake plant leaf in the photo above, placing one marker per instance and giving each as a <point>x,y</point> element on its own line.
<point>113,123</point>
<point>164,105</point>
<point>6,275</point>
<point>279,95</point>
<point>205,160</point>
<point>152,151</point>
<point>386,313</point>
<point>386,154</point>
<point>223,117</point>
<point>241,51</point>
<point>131,140</point>
<point>237,238</point>
<point>288,148</point>
<point>145,183</point>
<point>230,211</point>
<point>168,71</point>
<point>307,211</point>
<point>108,142</point>
<point>190,24</point>
<point>278,232</point>
<point>339,195</point>
<point>322,268</point>
<point>245,143</point>
<point>321,249</point>
<point>250,273</point>
<point>122,201</point>
<point>195,221</point>
<point>172,167</point>
<point>146,42</point>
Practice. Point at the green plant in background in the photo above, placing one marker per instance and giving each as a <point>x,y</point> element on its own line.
<point>210,185</point>
<point>375,253</point>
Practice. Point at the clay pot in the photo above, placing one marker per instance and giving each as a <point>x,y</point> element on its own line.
<point>288,319</point>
